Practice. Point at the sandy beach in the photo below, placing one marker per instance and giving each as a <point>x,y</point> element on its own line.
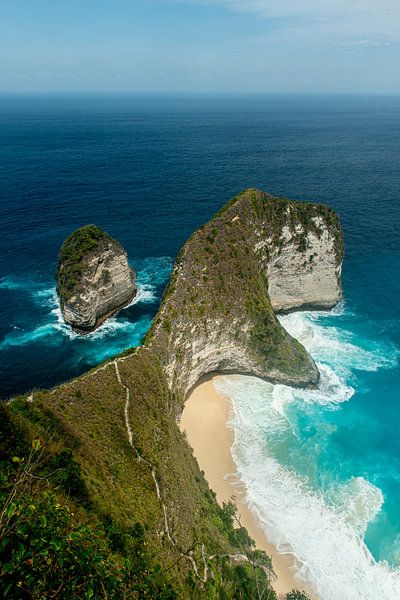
<point>204,420</point>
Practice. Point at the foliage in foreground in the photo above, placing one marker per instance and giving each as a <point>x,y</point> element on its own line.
<point>296,595</point>
<point>80,516</point>
<point>46,553</point>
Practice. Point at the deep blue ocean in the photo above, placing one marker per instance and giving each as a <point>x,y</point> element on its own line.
<point>324,466</point>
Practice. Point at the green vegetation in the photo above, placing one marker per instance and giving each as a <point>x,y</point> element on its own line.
<point>74,251</point>
<point>296,595</point>
<point>83,515</point>
<point>46,552</point>
<point>220,284</point>
<point>100,495</point>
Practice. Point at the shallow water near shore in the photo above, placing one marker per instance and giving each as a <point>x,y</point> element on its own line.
<point>323,468</point>
<point>319,465</point>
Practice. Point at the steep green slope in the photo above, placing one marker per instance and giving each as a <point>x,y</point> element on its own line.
<point>101,496</point>
<point>151,485</point>
<point>216,314</point>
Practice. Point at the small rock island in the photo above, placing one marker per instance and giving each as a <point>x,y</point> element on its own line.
<point>94,279</point>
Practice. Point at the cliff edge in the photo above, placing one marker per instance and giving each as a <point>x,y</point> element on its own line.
<point>97,481</point>
<point>257,256</point>
<point>94,279</point>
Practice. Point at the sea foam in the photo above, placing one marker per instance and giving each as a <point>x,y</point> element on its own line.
<point>323,528</point>
<point>118,332</point>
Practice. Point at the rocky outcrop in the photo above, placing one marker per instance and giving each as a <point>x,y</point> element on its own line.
<point>306,279</point>
<point>94,279</point>
<point>258,255</point>
<point>117,423</point>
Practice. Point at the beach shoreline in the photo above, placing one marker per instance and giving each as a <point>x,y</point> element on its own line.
<point>205,423</point>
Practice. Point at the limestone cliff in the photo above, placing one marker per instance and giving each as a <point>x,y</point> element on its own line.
<point>304,268</point>
<point>94,279</point>
<point>107,443</point>
<point>258,255</point>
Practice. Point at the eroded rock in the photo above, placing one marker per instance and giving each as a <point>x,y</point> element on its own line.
<point>256,256</point>
<point>94,279</point>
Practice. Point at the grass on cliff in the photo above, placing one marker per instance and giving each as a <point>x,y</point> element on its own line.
<point>51,544</point>
<point>71,259</point>
<point>220,278</point>
<point>90,505</point>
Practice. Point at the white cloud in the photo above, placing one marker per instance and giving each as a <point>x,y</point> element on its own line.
<point>333,22</point>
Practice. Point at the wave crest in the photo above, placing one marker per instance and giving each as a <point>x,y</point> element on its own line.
<point>326,539</point>
<point>304,511</point>
<point>151,274</point>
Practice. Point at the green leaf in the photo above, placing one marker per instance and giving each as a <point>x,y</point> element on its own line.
<point>7,590</point>
<point>89,592</point>
<point>56,544</point>
<point>36,445</point>
<point>10,510</point>
<point>4,544</point>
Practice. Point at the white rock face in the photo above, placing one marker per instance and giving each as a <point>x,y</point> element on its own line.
<point>257,256</point>
<point>217,350</point>
<point>107,284</point>
<point>304,279</point>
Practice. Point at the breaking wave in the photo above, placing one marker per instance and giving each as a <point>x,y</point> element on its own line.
<point>113,336</point>
<point>323,526</point>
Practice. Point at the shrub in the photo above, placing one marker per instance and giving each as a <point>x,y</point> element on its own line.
<point>296,595</point>
<point>46,553</point>
<point>67,474</point>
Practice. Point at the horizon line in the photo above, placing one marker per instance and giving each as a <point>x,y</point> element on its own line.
<point>196,93</point>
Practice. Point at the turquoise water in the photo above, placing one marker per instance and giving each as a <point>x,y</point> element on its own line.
<point>40,348</point>
<point>322,468</point>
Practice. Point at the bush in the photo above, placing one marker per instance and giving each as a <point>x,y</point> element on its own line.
<point>296,595</point>
<point>46,553</point>
<point>237,536</point>
<point>67,474</point>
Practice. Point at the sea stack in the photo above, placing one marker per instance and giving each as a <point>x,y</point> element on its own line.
<point>258,255</point>
<point>94,279</point>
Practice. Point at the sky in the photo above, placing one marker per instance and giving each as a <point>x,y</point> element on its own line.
<point>297,46</point>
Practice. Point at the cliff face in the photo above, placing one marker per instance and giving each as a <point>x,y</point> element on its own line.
<point>111,448</point>
<point>258,255</point>
<point>94,279</point>
<point>309,278</point>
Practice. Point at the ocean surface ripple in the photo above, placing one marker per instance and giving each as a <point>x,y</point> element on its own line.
<point>322,466</point>
<point>52,336</point>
